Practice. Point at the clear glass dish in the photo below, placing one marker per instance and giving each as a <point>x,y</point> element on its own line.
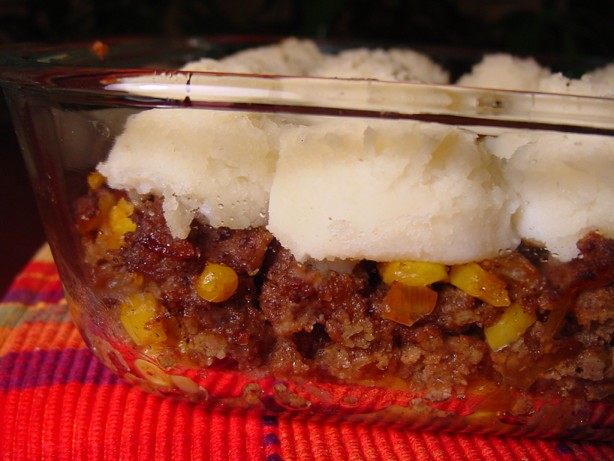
<point>326,338</point>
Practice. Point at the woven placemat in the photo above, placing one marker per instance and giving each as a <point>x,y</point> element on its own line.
<point>58,402</point>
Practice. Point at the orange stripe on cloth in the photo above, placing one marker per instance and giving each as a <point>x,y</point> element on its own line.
<point>42,336</point>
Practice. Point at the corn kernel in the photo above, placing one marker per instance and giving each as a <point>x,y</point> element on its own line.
<point>413,273</point>
<point>119,217</point>
<point>510,326</point>
<point>140,315</point>
<point>95,180</point>
<point>217,283</point>
<point>477,282</point>
<point>106,201</point>
<point>117,224</point>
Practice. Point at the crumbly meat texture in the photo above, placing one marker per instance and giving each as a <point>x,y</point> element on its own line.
<point>294,320</point>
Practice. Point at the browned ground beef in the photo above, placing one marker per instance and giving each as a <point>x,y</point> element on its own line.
<point>296,320</point>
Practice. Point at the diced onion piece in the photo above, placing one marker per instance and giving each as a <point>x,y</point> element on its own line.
<point>406,304</point>
<point>510,326</point>
<point>413,273</point>
<point>152,373</point>
<point>186,385</point>
<point>477,282</point>
<point>217,283</point>
<point>140,315</point>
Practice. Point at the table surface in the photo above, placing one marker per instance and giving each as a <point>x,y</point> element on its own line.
<point>58,402</point>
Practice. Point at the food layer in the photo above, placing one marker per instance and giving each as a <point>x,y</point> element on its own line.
<point>412,256</point>
<point>237,299</point>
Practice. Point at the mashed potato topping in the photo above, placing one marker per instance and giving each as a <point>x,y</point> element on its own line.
<point>382,190</point>
<point>386,191</point>
<point>507,72</point>
<point>223,174</point>
<point>565,185</point>
<point>290,57</point>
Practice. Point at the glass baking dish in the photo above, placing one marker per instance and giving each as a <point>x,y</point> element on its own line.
<point>240,280</point>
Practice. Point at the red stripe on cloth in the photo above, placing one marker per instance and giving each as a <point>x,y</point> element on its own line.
<point>42,423</point>
<point>90,401</point>
<point>354,444</point>
<point>303,439</point>
<point>112,423</point>
<point>385,446</point>
<point>217,436</point>
<point>417,443</point>
<point>323,441</point>
<point>237,438</point>
<point>163,430</point>
<point>119,422</point>
<point>36,282</point>
<point>41,270</point>
<point>287,445</point>
<point>153,419</point>
<point>181,443</point>
<point>201,425</point>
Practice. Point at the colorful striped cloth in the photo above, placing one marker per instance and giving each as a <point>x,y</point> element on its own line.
<point>57,402</point>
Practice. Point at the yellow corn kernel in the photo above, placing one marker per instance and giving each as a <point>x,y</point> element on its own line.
<point>95,180</point>
<point>119,217</point>
<point>141,315</point>
<point>217,283</point>
<point>413,273</point>
<point>117,224</point>
<point>477,282</point>
<point>106,201</point>
<point>510,326</point>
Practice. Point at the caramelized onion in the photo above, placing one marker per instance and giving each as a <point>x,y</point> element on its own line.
<point>406,305</point>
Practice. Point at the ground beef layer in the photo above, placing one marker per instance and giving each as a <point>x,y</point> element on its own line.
<point>305,320</point>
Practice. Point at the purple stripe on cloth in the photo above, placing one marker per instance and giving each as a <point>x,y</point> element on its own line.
<point>271,439</point>
<point>24,296</point>
<point>269,420</point>
<point>47,368</point>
